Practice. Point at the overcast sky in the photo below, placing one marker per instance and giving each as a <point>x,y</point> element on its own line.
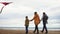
<point>13,15</point>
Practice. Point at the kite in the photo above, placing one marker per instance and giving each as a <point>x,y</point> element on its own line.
<point>4,3</point>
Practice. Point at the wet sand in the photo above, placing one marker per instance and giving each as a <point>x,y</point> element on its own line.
<point>23,32</point>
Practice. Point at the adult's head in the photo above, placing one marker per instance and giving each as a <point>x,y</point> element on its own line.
<point>35,13</point>
<point>43,13</point>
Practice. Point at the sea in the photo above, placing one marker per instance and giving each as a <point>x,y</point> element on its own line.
<point>23,28</point>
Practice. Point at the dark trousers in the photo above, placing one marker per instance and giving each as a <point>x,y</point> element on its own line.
<point>44,27</point>
<point>36,28</point>
<point>26,29</point>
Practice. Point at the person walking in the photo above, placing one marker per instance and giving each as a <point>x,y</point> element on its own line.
<point>26,24</point>
<point>44,18</point>
<point>36,19</point>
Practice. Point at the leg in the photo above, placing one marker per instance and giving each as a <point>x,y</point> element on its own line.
<point>26,29</point>
<point>35,29</point>
<point>46,28</point>
<point>43,28</point>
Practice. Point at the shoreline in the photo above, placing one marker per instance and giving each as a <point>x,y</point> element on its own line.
<point>14,28</point>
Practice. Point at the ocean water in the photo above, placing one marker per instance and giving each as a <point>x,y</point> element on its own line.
<point>23,28</point>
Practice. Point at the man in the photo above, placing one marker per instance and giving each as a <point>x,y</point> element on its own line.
<point>45,18</point>
<point>36,22</point>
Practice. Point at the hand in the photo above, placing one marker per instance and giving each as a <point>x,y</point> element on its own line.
<point>30,20</point>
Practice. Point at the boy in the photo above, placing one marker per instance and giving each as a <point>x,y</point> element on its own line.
<point>26,24</point>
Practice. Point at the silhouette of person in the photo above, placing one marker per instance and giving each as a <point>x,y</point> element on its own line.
<point>36,22</point>
<point>44,18</point>
<point>26,24</point>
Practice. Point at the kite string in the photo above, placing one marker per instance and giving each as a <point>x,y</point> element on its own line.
<point>1,9</point>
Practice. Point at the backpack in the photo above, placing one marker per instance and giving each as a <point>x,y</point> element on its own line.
<point>46,17</point>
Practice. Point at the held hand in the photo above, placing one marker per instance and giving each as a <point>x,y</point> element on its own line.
<point>30,20</point>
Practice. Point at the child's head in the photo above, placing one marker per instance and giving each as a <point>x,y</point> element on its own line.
<point>26,17</point>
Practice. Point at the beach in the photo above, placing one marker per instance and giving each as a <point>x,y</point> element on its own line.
<point>2,31</point>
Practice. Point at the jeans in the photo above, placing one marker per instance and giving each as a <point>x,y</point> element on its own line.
<point>26,29</point>
<point>44,27</point>
<point>36,28</point>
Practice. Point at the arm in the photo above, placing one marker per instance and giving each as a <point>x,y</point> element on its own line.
<point>33,18</point>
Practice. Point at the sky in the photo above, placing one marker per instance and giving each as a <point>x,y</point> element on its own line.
<point>13,15</point>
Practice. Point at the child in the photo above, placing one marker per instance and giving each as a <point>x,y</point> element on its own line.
<point>26,24</point>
